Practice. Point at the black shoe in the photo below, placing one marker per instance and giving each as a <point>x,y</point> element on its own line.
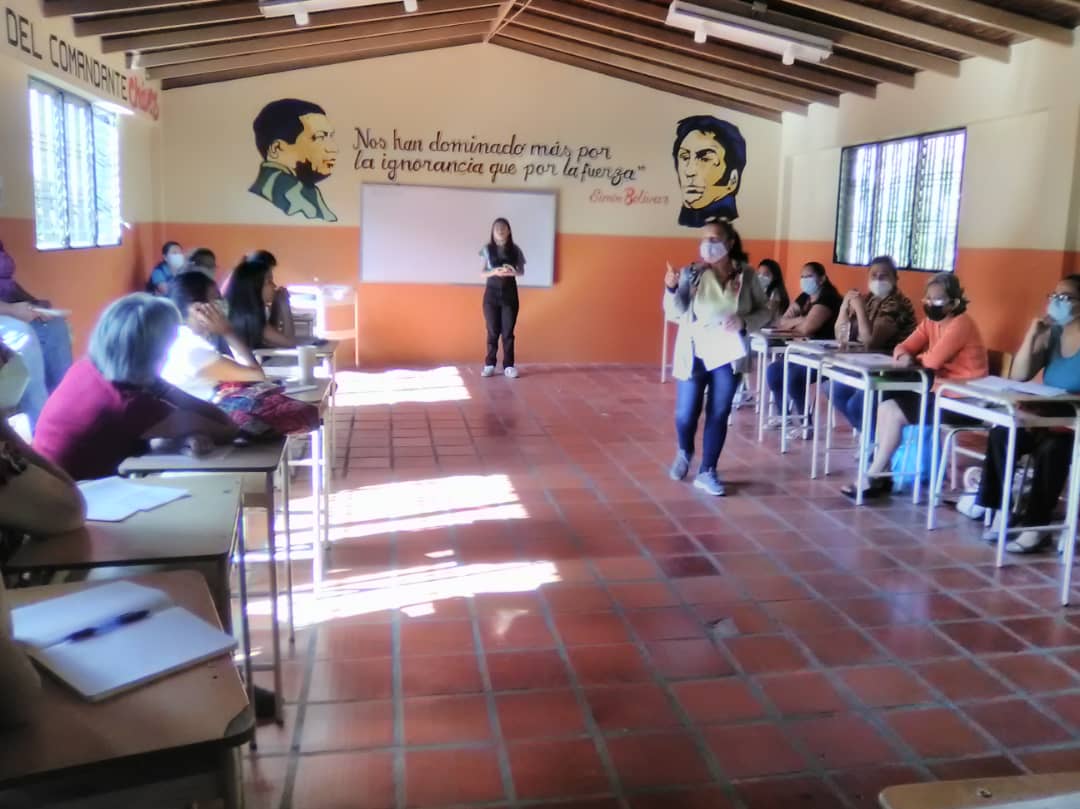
<point>265,704</point>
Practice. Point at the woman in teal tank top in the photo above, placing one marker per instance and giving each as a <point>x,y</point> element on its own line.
<point>1051,345</point>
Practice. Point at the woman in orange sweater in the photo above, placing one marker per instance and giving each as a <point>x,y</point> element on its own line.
<point>948,344</point>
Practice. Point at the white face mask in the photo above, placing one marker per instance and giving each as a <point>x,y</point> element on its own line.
<point>174,261</point>
<point>809,285</point>
<point>879,289</point>
<point>712,252</point>
<point>13,381</point>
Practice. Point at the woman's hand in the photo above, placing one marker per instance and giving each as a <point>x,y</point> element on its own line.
<point>209,318</point>
<point>25,312</point>
<point>904,360</point>
<point>1039,325</point>
<point>671,277</point>
<point>734,323</point>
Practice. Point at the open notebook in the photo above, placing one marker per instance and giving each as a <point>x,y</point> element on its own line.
<point>108,639</point>
<point>115,499</point>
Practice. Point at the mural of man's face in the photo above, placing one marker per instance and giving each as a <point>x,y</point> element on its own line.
<point>313,155</point>
<point>701,162</point>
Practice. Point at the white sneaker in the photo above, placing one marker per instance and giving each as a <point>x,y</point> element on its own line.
<point>489,370</point>
<point>511,372</point>
<point>967,506</point>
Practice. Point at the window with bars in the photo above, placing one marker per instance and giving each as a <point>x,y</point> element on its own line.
<point>901,198</point>
<point>76,163</point>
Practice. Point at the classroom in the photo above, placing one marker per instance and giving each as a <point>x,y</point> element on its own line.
<point>578,404</point>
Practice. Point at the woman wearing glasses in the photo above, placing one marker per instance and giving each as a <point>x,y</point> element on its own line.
<point>948,344</point>
<point>1051,345</point>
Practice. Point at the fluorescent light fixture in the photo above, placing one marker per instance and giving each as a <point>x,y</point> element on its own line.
<point>301,10</point>
<point>788,43</point>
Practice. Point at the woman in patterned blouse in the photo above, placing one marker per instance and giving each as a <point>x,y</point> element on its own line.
<point>880,319</point>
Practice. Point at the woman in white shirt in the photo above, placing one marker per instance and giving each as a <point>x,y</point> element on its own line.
<point>197,363</point>
<point>715,301</point>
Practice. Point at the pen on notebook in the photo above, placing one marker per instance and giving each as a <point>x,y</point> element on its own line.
<point>123,620</point>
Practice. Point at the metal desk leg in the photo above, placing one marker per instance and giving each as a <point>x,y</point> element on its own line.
<point>271,543</point>
<point>241,549</point>
<point>663,353</point>
<point>331,438</point>
<point>316,513</point>
<point>285,484</point>
<point>862,473</point>
<point>937,477</point>
<point>1006,494</point>
<point>1071,508</point>
<point>327,465</point>
<point>916,484</point>
<point>784,408</point>
<point>817,425</point>
<point>763,401</point>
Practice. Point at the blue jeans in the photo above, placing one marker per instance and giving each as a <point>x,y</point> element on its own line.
<point>45,349</point>
<point>849,401</point>
<point>721,384</point>
<point>774,376</point>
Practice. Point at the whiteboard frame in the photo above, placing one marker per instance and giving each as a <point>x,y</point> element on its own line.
<point>480,280</point>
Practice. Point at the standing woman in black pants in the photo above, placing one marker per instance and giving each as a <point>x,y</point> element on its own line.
<point>503,263</point>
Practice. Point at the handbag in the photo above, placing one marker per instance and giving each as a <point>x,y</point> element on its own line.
<point>262,411</point>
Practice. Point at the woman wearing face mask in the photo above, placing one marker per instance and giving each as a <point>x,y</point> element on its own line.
<point>771,278</point>
<point>37,498</point>
<point>948,344</point>
<point>1051,345</point>
<point>879,319</point>
<point>172,261</point>
<point>811,315</point>
<point>504,261</point>
<point>195,364</point>
<point>715,302</point>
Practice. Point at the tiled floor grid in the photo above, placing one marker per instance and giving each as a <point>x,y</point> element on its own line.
<point>523,611</point>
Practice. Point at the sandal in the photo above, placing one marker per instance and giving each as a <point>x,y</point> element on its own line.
<point>878,487</point>
<point>1028,542</point>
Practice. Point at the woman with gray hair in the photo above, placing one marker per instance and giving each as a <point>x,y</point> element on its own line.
<point>112,402</point>
<point>948,344</point>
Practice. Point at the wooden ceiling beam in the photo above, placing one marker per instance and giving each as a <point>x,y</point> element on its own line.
<point>500,17</point>
<point>848,40</point>
<point>320,36</point>
<point>186,37</point>
<point>677,41</point>
<point>664,56</point>
<point>999,18</point>
<point>72,8</point>
<point>908,28</point>
<point>636,78</point>
<point>169,18</point>
<point>308,62</point>
<point>666,74</point>
<point>345,50</point>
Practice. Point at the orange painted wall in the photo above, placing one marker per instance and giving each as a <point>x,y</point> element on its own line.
<point>1007,288</point>
<point>604,307</point>
<point>84,281</point>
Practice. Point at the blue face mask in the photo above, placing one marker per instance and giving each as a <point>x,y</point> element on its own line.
<point>1060,311</point>
<point>809,285</point>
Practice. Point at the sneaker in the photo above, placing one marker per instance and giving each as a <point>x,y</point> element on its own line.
<point>1028,542</point>
<point>511,372</point>
<point>967,506</point>
<point>489,370</point>
<point>680,466</point>
<point>709,483</point>
<point>991,534</point>
<point>799,433</point>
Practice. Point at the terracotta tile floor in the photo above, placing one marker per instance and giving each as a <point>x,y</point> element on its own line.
<point>522,610</point>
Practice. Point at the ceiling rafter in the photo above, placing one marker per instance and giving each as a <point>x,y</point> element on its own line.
<point>302,37</point>
<point>678,41</point>
<point>172,17</point>
<point>849,40</point>
<point>56,8</point>
<point>500,17</point>
<point>689,64</point>
<point>661,72</point>
<point>183,37</point>
<point>308,62</point>
<point>345,50</point>
<point>636,78</point>
<point>1000,18</point>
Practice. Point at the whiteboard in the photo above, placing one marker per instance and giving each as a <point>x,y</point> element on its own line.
<point>417,234</point>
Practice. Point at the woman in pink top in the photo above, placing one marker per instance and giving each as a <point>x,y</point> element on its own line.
<point>948,344</point>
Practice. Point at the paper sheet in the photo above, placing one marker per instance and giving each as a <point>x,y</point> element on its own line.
<point>115,499</point>
<point>868,360</point>
<point>1001,385</point>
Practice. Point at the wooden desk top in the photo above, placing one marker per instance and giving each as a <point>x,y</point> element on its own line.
<point>195,528</point>
<point>262,457</point>
<point>198,709</point>
<point>978,793</point>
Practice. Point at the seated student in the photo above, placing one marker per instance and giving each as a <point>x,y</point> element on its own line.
<point>195,364</point>
<point>36,497</point>
<point>259,309</point>
<point>172,261</point>
<point>948,344</point>
<point>811,315</point>
<point>113,402</point>
<point>42,340</point>
<point>201,259</point>
<point>771,278</point>
<point>879,319</point>
<point>1051,345</point>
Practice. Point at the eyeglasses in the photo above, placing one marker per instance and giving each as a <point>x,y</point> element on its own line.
<point>937,302</point>
<point>1064,297</point>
